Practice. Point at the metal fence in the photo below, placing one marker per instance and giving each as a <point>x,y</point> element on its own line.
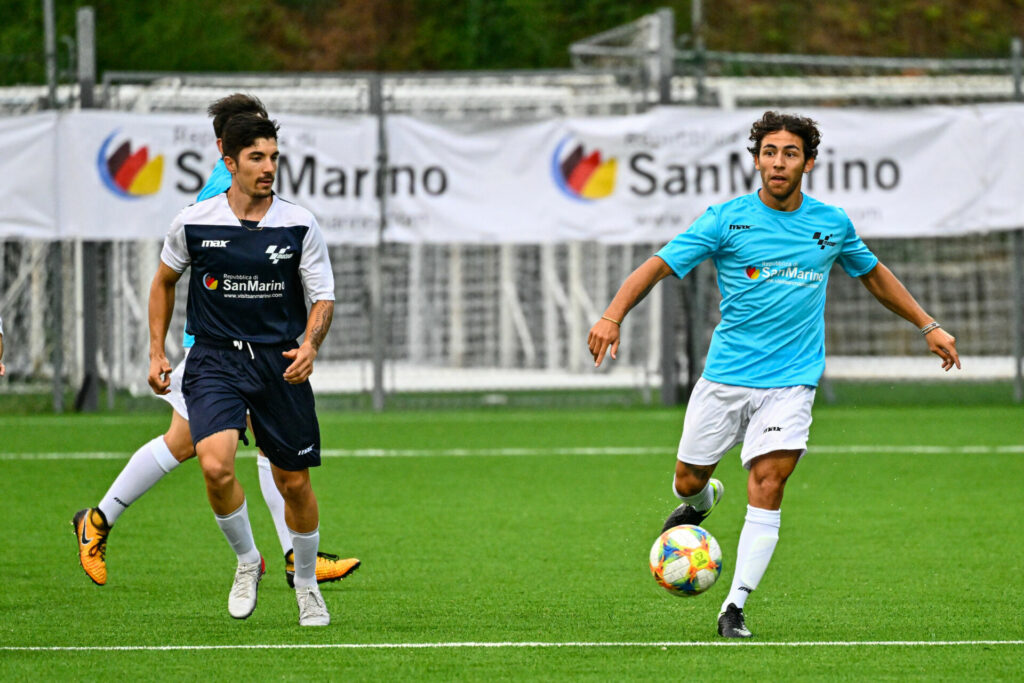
<point>422,324</point>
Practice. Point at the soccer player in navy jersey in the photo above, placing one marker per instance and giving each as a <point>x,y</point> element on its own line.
<point>773,250</point>
<point>255,260</point>
<point>160,456</point>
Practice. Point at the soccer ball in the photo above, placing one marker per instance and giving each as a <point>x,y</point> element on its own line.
<point>686,560</point>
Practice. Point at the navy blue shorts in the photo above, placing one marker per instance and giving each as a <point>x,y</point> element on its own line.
<point>222,382</point>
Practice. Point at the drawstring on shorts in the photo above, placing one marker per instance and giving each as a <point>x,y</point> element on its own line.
<point>238,345</point>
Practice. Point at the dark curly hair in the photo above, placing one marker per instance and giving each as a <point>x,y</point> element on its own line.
<point>772,121</point>
<point>226,107</point>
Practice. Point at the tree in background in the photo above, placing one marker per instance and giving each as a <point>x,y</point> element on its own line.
<point>415,35</point>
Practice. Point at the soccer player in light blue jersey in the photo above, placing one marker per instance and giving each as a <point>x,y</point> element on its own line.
<point>163,454</point>
<point>773,250</point>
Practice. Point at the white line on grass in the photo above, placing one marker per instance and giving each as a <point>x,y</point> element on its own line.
<point>416,416</point>
<point>484,645</point>
<point>513,452</point>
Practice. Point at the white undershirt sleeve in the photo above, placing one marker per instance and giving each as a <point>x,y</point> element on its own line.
<point>315,266</point>
<point>175,251</point>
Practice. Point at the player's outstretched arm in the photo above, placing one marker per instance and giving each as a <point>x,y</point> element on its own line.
<point>885,287</point>
<point>604,335</point>
<point>161,306</point>
<point>321,313</point>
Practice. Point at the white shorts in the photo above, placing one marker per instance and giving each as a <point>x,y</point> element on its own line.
<point>719,416</point>
<point>175,397</point>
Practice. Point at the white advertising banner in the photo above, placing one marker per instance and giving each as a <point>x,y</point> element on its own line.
<point>125,176</point>
<point>28,166</point>
<point>644,178</point>
<point>901,173</point>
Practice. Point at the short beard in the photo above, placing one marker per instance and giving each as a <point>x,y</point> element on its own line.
<point>259,193</point>
<point>780,197</point>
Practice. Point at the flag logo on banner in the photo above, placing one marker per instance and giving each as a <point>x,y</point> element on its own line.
<point>129,174</point>
<point>581,175</point>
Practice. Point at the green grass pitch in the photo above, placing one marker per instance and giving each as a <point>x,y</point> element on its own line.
<point>504,533</point>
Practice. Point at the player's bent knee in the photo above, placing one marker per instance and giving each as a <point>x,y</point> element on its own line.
<point>769,485</point>
<point>217,474</point>
<point>691,479</point>
<point>766,491</point>
<point>294,485</point>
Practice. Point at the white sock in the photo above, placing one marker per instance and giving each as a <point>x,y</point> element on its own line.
<point>275,502</point>
<point>701,500</point>
<point>305,547</point>
<point>757,543</point>
<point>239,534</point>
<point>146,467</point>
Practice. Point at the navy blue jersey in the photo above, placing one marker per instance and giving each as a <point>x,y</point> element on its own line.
<point>249,283</point>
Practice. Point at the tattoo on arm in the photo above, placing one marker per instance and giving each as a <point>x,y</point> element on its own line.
<point>320,321</point>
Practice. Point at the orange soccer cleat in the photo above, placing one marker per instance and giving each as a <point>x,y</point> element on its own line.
<point>91,530</point>
<point>328,567</point>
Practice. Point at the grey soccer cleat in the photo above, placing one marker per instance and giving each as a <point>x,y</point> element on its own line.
<point>242,599</point>
<point>312,610</point>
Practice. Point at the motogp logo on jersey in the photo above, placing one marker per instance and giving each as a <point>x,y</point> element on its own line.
<point>210,282</point>
<point>277,255</point>
<point>823,241</point>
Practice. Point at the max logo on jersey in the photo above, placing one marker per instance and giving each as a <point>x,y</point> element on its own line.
<point>215,243</point>
<point>126,173</point>
<point>277,255</point>
<point>823,241</point>
<point>210,282</point>
<point>582,176</point>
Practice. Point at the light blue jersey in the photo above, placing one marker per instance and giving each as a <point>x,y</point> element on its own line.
<point>219,181</point>
<point>773,269</point>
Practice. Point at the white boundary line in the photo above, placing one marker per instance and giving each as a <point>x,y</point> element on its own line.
<point>520,452</point>
<point>456,645</point>
<point>673,414</point>
<point>486,645</point>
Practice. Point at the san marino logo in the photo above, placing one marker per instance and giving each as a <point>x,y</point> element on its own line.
<point>785,273</point>
<point>128,173</point>
<point>581,175</point>
<point>210,282</point>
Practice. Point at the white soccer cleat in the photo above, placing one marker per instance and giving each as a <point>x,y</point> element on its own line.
<point>242,599</point>
<point>312,610</point>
